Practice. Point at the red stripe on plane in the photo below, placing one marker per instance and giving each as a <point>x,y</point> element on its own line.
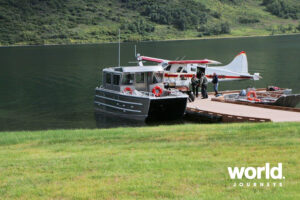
<point>152,59</point>
<point>187,75</point>
<point>171,75</point>
<point>181,75</point>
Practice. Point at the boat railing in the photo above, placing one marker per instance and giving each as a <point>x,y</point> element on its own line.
<point>144,93</point>
<point>170,92</point>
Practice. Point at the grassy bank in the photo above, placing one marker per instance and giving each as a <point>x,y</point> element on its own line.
<point>34,22</point>
<point>164,162</point>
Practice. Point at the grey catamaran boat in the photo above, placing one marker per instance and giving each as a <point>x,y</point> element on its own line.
<point>138,93</point>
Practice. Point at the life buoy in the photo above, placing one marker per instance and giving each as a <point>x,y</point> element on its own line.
<point>160,91</point>
<point>128,89</point>
<point>251,96</point>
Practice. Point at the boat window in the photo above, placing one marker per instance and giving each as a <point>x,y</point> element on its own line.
<point>108,78</point>
<point>157,77</point>
<point>119,69</point>
<point>116,79</point>
<point>168,68</point>
<point>179,69</point>
<point>140,77</point>
<point>193,69</point>
<point>128,79</point>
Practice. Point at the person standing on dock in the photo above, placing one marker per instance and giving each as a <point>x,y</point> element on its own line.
<point>215,82</point>
<point>195,85</point>
<point>204,83</point>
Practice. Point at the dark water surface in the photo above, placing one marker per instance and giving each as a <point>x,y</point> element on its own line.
<point>50,87</point>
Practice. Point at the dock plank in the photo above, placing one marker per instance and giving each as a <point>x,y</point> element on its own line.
<point>245,111</point>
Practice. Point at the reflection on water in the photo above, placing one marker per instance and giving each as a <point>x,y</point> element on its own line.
<point>111,121</point>
<point>52,87</point>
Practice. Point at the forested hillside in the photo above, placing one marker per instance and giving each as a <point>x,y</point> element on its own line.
<point>88,21</point>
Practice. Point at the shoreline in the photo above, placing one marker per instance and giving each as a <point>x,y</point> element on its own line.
<point>166,40</point>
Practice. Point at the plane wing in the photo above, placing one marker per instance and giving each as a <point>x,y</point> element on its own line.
<point>205,61</point>
<point>159,60</point>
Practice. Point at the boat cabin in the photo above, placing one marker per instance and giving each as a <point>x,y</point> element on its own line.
<point>136,78</point>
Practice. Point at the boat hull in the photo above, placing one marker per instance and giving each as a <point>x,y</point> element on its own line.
<point>171,109</point>
<point>288,100</point>
<point>122,105</point>
<point>139,107</point>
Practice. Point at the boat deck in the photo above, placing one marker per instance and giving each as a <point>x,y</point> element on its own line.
<point>229,112</point>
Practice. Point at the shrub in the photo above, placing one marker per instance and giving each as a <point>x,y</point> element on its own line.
<point>231,1</point>
<point>182,14</point>
<point>216,15</point>
<point>215,29</point>
<point>138,26</point>
<point>246,20</point>
<point>282,8</point>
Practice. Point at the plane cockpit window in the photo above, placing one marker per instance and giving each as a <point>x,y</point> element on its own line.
<point>164,64</point>
<point>168,68</point>
<point>179,69</point>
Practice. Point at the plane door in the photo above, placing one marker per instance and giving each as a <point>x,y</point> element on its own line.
<point>200,69</point>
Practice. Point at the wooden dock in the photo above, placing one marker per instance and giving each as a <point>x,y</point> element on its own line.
<point>213,110</point>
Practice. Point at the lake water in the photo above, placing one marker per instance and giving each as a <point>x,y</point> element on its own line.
<point>50,87</point>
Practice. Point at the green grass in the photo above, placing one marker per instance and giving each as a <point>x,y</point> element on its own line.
<point>83,21</point>
<point>164,162</point>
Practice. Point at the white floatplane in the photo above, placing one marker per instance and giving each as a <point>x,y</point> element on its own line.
<point>178,73</point>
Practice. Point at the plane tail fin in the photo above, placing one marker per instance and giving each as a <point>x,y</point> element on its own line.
<point>239,63</point>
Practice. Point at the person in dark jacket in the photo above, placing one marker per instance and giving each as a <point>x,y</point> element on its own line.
<point>195,85</point>
<point>215,82</point>
<point>204,86</point>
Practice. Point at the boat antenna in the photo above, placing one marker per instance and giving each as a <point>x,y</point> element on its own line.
<point>119,47</point>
